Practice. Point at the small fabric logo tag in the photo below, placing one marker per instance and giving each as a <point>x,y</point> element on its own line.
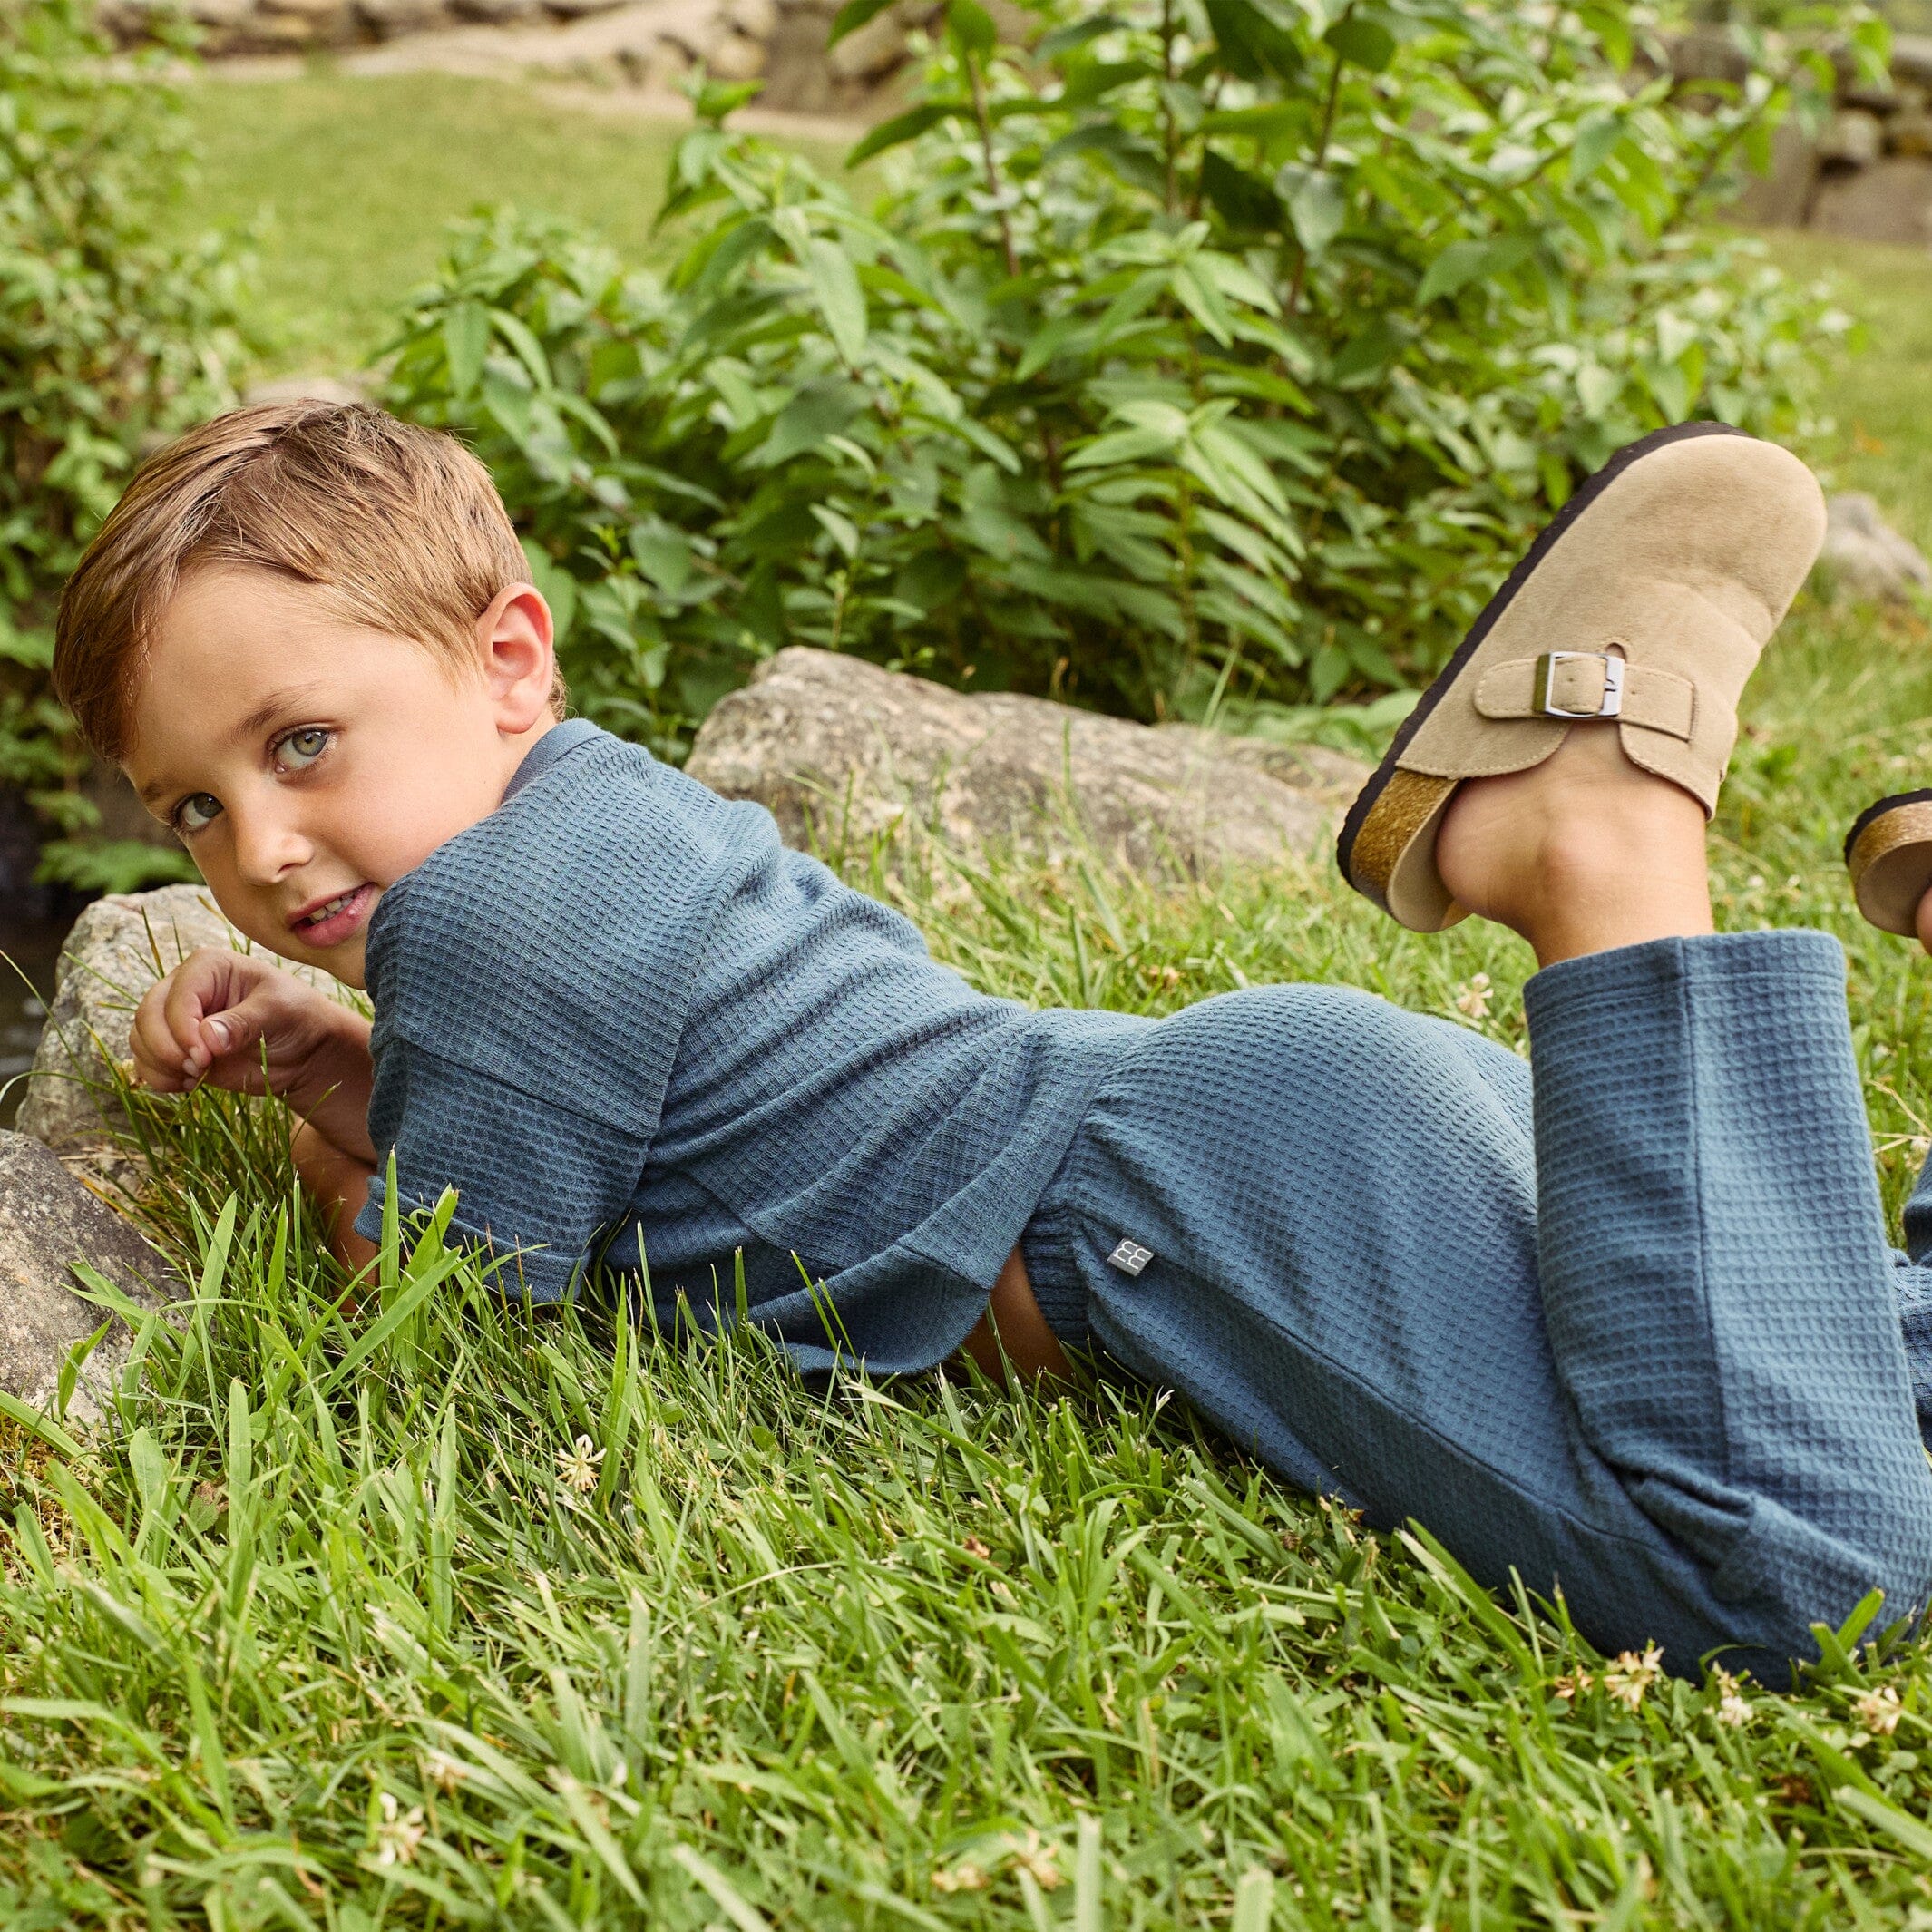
<point>1130,1257</point>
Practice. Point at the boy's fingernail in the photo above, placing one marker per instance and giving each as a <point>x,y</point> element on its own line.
<point>219,1028</point>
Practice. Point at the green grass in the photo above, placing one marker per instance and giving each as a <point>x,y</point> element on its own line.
<point>316,1633</point>
<point>348,183</point>
<point>1879,400</point>
<point>910,1655</point>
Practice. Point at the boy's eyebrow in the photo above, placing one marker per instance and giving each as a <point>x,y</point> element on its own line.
<point>277,704</point>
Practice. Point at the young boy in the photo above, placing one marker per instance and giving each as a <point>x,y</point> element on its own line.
<point>1643,1344</point>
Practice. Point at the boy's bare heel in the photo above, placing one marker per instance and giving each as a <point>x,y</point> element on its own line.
<point>1643,607</point>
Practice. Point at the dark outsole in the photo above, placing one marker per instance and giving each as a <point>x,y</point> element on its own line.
<point>1588,491</point>
<point>1879,811</point>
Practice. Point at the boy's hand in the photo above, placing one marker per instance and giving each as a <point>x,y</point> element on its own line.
<point>235,1021</point>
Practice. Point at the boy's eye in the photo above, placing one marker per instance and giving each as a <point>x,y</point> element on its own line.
<point>303,747</point>
<point>196,812</point>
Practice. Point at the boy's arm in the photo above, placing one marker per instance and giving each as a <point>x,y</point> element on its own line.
<point>536,1181</point>
<point>338,1184</point>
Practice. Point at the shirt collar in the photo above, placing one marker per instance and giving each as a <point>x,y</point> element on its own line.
<point>556,743</point>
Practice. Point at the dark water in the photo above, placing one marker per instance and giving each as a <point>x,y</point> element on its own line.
<point>30,948</point>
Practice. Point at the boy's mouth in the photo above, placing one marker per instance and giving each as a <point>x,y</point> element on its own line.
<point>330,922</point>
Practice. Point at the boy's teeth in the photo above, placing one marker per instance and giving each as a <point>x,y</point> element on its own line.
<point>335,905</point>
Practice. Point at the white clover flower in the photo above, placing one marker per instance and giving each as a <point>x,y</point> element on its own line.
<point>398,1836</point>
<point>1879,1711</point>
<point>1632,1676</point>
<point>578,1464</point>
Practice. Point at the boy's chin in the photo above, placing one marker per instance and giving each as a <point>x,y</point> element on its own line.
<point>342,962</point>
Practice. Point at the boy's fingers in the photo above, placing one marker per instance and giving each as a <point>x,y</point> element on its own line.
<point>239,1028</point>
<point>157,1053</point>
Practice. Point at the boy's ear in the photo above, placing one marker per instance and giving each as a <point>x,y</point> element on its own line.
<point>514,640</point>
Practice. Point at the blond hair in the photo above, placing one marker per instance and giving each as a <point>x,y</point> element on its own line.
<point>398,528</point>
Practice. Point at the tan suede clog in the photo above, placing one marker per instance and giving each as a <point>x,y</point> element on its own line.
<point>1646,601</point>
<point>1889,853</point>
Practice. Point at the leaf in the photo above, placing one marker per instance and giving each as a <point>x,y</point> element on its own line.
<point>1123,445</point>
<point>839,528</point>
<point>851,17</point>
<point>905,127</point>
<point>555,586</point>
<point>717,99</point>
<point>465,337</point>
<point>1316,204</point>
<point>1463,262</point>
<point>1252,46</point>
<point>1047,344</point>
<point>1136,162</point>
<point>70,1375</point>
<point>836,289</point>
<point>663,554</point>
<point>1243,200</point>
<point>971,27</point>
<point>1365,43</point>
<point>527,349</point>
<point>1277,117</point>
<point>1901,1826</point>
<point>1064,39</point>
<point>1367,353</point>
<point>742,1914</point>
<point>1201,300</point>
<point>36,1424</point>
<point>1596,141</point>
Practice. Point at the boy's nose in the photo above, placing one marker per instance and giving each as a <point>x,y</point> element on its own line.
<point>267,849</point>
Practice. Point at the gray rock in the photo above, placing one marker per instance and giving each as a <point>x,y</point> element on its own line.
<point>736,56</point>
<point>1854,139</point>
<point>1912,58</point>
<point>836,746</point>
<point>119,947</point>
<point>1865,557</point>
<point>1909,132</point>
<point>876,48</point>
<point>388,18</point>
<point>1781,196</point>
<point>48,1221</point>
<point>1891,201</point>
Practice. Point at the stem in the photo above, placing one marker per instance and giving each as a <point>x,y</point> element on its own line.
<point>992,166</point>
<point>1169,133</point>
<point>1322,140</point>
<point>1212,99</point>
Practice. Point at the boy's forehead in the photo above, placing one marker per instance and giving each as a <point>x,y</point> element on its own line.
<point>230,653</point>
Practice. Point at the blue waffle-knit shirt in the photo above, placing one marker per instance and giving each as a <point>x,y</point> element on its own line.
<point>633,1030</point>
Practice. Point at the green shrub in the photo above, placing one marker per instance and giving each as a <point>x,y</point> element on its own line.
<point>108,336</point>
<point>1213,349</point>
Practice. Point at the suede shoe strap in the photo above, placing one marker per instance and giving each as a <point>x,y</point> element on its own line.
<point>1574,684</point>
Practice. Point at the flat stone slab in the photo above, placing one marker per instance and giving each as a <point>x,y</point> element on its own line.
<point>839,749</point>
<point>48,1221</point>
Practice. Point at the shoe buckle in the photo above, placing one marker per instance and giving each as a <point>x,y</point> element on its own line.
<point>1613,670</point>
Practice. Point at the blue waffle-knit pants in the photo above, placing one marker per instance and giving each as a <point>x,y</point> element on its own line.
<point>1644,1341</point>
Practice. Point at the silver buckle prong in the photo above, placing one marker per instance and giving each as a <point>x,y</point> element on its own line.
<point>1613,668</point>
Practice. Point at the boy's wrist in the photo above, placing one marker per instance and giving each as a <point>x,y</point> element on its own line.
<point>331,1092</point>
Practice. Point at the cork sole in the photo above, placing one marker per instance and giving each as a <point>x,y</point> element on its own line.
<point>1889,853</point>
<point>1386,848</point>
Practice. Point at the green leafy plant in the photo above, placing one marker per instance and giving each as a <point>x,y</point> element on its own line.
<point>110,336</point>
<point>1211,352</point>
